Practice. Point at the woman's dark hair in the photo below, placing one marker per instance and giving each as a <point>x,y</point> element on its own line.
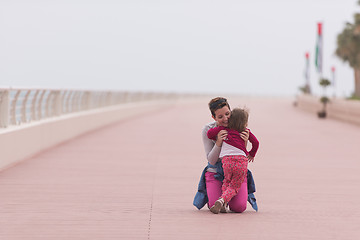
<point>217,103</point>
<point>238,119</point>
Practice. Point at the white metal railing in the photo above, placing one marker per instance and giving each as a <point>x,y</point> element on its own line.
<point>19,106</point>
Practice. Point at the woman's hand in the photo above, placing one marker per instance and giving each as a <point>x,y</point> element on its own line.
<point>245,135</point>
<point>222,135</point>
<point>251,159</point>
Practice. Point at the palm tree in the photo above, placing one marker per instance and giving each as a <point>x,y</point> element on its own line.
<point>349,48</point>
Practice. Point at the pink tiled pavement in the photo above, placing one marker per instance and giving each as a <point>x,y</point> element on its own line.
<point>136,180</point>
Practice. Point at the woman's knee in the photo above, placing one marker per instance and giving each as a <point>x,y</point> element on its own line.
<point>239,202</point>
<point>213,188</point>
<point>238,208</point>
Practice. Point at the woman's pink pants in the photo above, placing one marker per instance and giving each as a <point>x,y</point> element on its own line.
<point>213,188</point>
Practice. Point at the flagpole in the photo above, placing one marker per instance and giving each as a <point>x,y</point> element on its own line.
<point>333,79</point>
<point>307,74</point>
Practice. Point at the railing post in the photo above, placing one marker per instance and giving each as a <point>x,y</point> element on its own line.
<point>85,101</point>
<point>77,101</point>
<point>57,103</point>
<point>47,104</point>
<point>23,107</point>
<point>74,101</point>
<point>68,98</point>
<point>40,105</point>
<point>107,99</point>
<point>62,100</point>
<point>102,99</point>
<point>4,108</point>
<point>33,105</point>
<point>13,120</point>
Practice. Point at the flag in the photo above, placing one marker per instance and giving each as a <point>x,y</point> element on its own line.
<point>319,49</point>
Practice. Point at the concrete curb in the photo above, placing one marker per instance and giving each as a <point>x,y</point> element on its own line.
<point>340,109</point>
<point>20,142</point>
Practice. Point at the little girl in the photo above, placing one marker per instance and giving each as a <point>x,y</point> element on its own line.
<point>234,156</point>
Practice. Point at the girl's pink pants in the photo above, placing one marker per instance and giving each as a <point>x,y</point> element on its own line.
<point>235,171</point>
<point>213,188</point>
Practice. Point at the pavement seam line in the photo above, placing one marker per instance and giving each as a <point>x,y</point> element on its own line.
<point>151,207</point>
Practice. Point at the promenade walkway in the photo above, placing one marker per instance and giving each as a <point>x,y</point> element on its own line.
<point>136,180</point>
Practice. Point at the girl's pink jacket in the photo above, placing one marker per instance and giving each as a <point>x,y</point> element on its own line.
<point>235,140</point>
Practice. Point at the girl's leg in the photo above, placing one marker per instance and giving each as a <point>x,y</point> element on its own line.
<point>213,188</point>
<point>239,172</point>
<point>227,173</point>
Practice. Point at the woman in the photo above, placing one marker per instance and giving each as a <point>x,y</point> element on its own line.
<point>209,189</point>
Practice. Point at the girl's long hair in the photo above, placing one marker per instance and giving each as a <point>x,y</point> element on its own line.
<point>238,119</point>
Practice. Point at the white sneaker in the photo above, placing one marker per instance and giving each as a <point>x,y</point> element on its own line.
<point>223,208</point>
<point>217,206</point>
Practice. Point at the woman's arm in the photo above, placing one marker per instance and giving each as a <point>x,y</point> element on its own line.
<point>245,136</point>
<point>212,150</point>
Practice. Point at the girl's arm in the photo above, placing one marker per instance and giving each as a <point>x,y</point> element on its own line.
<point>254,143</point>
<point>213,132</point>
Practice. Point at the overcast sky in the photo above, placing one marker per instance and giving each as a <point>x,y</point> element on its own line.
<point>229,46</point>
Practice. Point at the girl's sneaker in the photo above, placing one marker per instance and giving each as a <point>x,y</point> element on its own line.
<point>217,206</point>
<point>223,208</point>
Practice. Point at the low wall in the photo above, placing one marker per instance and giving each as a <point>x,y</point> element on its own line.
<point>340,109</point>
<point>20,142</point>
